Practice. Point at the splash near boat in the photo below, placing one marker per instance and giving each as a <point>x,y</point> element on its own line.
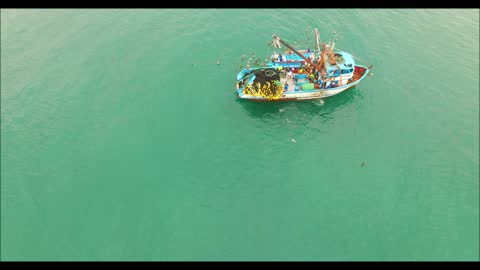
<point>301,74</point>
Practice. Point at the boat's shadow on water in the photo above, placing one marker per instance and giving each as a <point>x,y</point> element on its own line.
<point>324,109</point>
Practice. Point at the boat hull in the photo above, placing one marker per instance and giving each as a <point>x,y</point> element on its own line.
<point>306,95</point>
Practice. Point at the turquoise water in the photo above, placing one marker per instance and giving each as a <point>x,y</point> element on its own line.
<point>122,138</point>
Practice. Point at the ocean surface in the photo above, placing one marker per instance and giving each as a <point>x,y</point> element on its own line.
<point>122,138</point>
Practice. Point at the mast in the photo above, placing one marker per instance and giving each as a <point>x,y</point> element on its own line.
<point>276,38</point>
<point>323,61</point>
<point>317,37</point>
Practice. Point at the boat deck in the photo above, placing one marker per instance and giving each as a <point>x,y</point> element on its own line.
<point>291,83</point>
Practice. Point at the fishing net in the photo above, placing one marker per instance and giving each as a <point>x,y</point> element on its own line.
<point>266,84</point>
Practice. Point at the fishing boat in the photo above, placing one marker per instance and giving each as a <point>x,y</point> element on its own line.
<point>301,74</point>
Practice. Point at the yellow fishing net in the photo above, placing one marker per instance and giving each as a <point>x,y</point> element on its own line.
<point>270,90</point>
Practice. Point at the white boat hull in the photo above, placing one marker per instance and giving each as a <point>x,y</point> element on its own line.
<point>306,95</point>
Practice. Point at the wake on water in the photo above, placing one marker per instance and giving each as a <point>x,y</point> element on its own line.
<point>319,102</point>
